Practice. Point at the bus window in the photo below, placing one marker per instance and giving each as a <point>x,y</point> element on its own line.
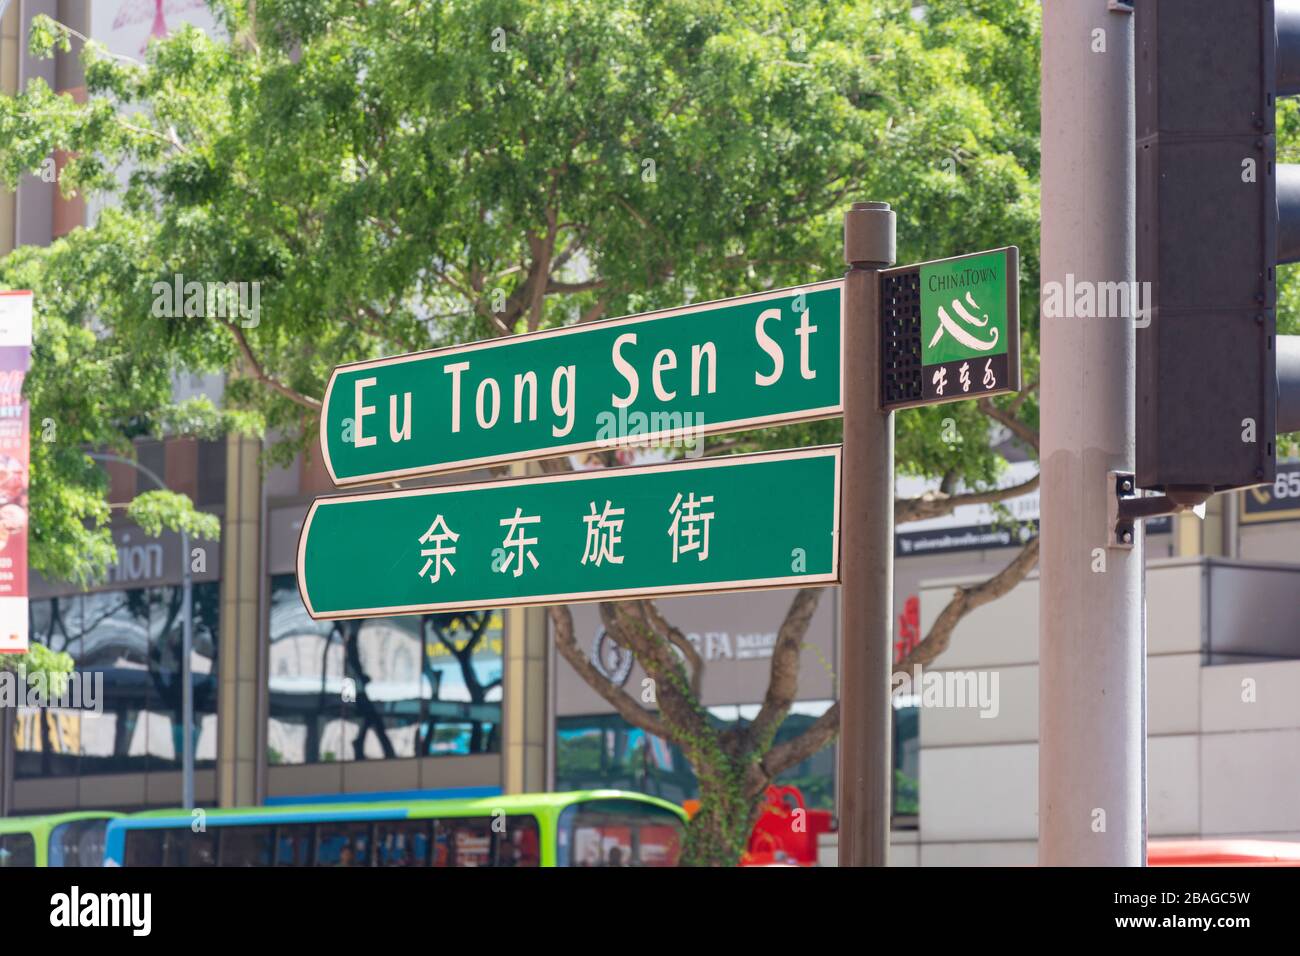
<point>293,844</point>
<point>520,845</point>
<point>471,841</point>
<point>17,849</point>
<point>402,843</point>
<point>619,833</point>
<point>144,847</point>
<point>343,844</point>
<point>78,843</point>
<point>246,846</point>
<point>441,843</point>
<point>186,848</point>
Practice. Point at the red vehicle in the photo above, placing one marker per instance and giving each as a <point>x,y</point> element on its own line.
<point>786,832</point>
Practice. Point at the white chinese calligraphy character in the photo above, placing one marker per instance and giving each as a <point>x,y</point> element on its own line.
<point>946,324</point>
<point>965,376</point>
<point>939,380</point>
<point>604,530</point>
<point>685,530</point>
<point>989,378</point>
<point>437,555</point>
<point>515,538</point>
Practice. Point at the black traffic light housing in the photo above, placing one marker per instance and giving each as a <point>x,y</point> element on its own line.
<point>1215,215</point>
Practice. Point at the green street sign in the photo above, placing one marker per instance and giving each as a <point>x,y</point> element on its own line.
<point>672,376</point>
<point>686,527</point>
<point>952,329</point>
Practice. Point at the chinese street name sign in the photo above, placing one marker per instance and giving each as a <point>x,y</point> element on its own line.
<point>707,525</point>
<point>757,360</point>
<point>950,329</point>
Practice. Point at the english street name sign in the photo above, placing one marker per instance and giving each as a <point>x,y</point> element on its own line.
<point>756,360</point>
<point>705,525</point>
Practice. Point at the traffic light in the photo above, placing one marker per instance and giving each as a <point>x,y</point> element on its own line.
<point>1215,215</point>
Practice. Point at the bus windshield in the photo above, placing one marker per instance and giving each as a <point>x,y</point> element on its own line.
<point>78,843</point>
<point>617,832</point>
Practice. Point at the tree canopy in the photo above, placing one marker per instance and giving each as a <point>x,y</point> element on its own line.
<point>402,175</point>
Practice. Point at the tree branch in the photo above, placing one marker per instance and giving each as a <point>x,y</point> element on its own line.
<point>1009,420</point>
<point>650,611</point>
<point>965,600</point>
<point>934,504</point>
<point>306,401</point>
<point>791,752</point>
<point>783,682</point>
<point>680,706</point>
<point>636,715</point>
<point>786,755</point>
<point>565,288</point>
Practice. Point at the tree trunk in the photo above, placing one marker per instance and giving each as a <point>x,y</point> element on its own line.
<point>718,834</point>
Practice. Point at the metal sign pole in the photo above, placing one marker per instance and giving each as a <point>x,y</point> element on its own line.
<point>866,549</point>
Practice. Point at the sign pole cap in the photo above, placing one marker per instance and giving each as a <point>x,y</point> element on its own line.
<point>869,234</point>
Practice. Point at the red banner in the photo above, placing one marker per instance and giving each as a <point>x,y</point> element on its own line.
<point>15,358</point>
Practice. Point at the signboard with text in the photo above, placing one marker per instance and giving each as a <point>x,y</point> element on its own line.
<point>1277,501</point>
<point>707,525</point>
<point>675,375</point>
<point>951,329</point>
<point>15,358</point>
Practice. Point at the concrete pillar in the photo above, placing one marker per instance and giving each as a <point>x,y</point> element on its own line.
<point>241,749</point>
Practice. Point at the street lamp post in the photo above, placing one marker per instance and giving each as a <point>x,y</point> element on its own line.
<point>187,641</point>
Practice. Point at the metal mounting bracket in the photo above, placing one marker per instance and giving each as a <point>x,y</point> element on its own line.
<point>1125,507</point>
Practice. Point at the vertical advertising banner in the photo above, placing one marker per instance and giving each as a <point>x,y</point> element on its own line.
<point>15,356</point>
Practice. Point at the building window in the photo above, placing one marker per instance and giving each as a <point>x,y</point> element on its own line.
<point>907,764</point>
<point>380,688</point>
<point>133,639</point>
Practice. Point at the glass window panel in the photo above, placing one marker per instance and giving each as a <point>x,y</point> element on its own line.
<point>186,848</point>
<point>619,833</point>
<point>461,682</point>
<point>403,843</point>
<point>293,843</point>
<point>441,844</point>
<point>246,846</point>
<point>521,843</point>
<point>380,688</point>
<point>78,843</point>
<point>47,742</point>
<point>144,847</point>
<point>115,642</point>
<point>383,701</point>
<point>471,842</point>
<point>343,844</point>
<point>17,849</point>
<point>163,722</point>
<point>306,673</point>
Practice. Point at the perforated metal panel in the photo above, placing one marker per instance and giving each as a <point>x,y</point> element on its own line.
<point>900,338</point>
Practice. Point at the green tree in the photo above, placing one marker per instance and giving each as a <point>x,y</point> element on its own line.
<point>404,175</point>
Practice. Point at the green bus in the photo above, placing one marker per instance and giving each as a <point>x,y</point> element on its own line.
<point>584,828</point>
<point>61,839</point>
